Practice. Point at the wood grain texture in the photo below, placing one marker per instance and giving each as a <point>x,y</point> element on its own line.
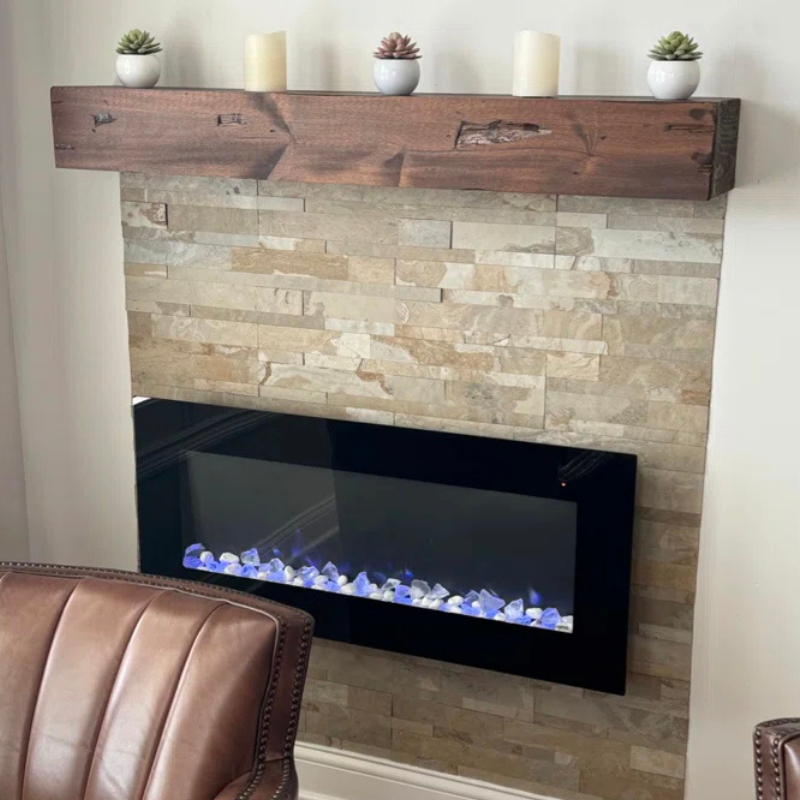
<point>582,146</point>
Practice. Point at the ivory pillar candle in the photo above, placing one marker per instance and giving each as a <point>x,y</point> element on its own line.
<point>265,62</point>
<point>536,64</point>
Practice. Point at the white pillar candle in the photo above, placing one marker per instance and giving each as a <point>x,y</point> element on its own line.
<point>536,64</point>
<point>265,62</point>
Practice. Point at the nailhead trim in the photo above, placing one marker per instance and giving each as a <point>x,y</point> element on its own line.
<point>776,744</point>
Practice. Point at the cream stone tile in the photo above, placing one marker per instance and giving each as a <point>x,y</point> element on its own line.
<point>281,204</point>
<point>625,205</point>
<point>356,326</point>
<point>342,306</point>
<point>573,365</point>
<point>433,334</point>
<point>649,245</point>
<point>324,226</point>
<point>692,419</point>
<point>370,270</point>
<point>661,659</point>
<point>420,351</point>
<point>684,269</point>
<point>354,345</point>
<point>145,270</point>
<point>667,289</point>
<point>351,363</point>
<point>299,395</point>
<point>566,219</point>
<point>158,307</point>
<point>218,220</point>
<point>144,215</point>
<point>197,199</point>
<point>497,236</point>
<point>672,491</point>
<point>284,262</point>
<point>288,243</point>
<point>654,375</point>
<point>563,408</point>
<point>658,334</point>
<point>518,400</point>
<point>205,330</point>
<point>425,233</point>
<point>670,224</point>
<point>508,258</point>
<point>657,762</point>
<point>353,247</point>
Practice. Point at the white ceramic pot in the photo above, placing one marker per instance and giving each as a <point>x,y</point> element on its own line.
<point>138,72</point>
<point>673,80</point>
<point>396,75</point>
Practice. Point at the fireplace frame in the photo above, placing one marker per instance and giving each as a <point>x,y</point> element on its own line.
<point>602,484</point>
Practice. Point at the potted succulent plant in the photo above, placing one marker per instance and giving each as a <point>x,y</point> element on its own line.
<point>137,64</point>
<point>674,73</point>
<point>397,68</point>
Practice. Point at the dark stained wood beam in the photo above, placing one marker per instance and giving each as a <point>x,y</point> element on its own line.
<point>625,147</point>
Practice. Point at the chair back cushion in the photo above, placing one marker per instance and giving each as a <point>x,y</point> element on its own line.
<point>116,686</point>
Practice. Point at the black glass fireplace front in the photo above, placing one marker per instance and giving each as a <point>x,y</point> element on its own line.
<point>498,554</point>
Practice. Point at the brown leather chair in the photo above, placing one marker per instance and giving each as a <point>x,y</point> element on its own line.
<point>117,686</point>
<point>777,757</point>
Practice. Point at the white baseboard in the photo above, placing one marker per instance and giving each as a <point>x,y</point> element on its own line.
<point>329,774</point>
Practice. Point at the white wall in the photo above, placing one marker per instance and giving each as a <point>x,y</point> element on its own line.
<point>66,281</point>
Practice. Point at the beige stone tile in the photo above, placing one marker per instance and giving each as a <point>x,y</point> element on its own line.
<point>324,226</point>
<point>299,395</point>
<point>370,270</point>
<point>284,262</point>
<point>509,258</point>
<point>363,384</point>
<point>351,363</point>
<point>145,270</point>
<point>431,334</point>
<point>633,784</point>
<point>669,224</point>
<point>173,367</point>
<point>667,289</point>
<point>257,317</point>
<point>654,376</point>
<point>356,345</point>
<point>566,219</point>
<point>144,215</point>
<point>169,347</point>
<point>356,326</point>
<point>421,351</point>
<point>664,633</point>
<point>455,426</point>
<point>692,419</point>
<point>593,264</point>
<point>425,233</point>
<point>199,199</point>
<point>711,209</point>
<point>352,724</point>
<point>342,306</point>
<point>219,220</point>
<point>204,384</point>
<point>131,194</point>
<point>660,574</point>
<point>205,330</point>
<point>497,236</point>
<point>199,256</point>
<point>449,373</point>
<point>563,408</point>
<point>577,366</point>
<point>660,658</point>
<point>515,399</point>
<point>280,357</point>
<point>658,762</point>
<point>353,247</point>
<point>156,307</point>
<point>658,334</point>
<point>625,205</point>
<point>674,491</point>
<point>193,184</point>
<point>685,269</point>
<point>293,245</point>
<point>650,245</point>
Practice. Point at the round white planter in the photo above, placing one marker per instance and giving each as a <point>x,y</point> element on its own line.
<point>396,76</point>
<point>673,80</point>
<point>138,72</point>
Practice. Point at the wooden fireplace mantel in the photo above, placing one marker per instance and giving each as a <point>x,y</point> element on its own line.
<point>627,147</point>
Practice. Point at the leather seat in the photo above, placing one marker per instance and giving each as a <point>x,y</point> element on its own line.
<point>777,759</point>
<point>118,686</point>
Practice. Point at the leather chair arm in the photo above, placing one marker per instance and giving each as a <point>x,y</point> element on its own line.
<point>277,782</point>
<point>777,759</point>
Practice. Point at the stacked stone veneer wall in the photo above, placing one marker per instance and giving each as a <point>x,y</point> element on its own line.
<point>572,320</point>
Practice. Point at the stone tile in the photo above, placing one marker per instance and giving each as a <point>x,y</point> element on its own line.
<point>288,243</point>
<point>217,220</point>
<point>199,256</point>
<point>283,262</point>
<point>324,226</point>
<point>655,376</point>
<point>495,236</point>
<point>355,326</point>
<point>293,395</point>
<point>711,209</point>
<point>634,785</point>
<point>356,345</point>
<point>625,205</point>
<point>659,334</point>
<point>573,365</point>
<point>692,419</point>
<point>144,215</point>
<point>519,400</point>
<point>662,659</point>
<point>563,407</point>
<point>205,330</point>
<point>479,690</point>
<point>342,306</point>
<point>370,270</point>
<point>566,219</point>
<point>639,222</point>
<point>424,233</point>
<point>672,491</point>
<point>256,317</point>
<point>667,289</point>
<point>359,383</point>
<point>185,369</point>
<point>197,199</point>
<point>330,719</point>
<point>420,351</point>
<point>432,334</point>
<point>370,249</point>
<point>658,762</point>
<point>681,268</point>
<point>650,245</point>
<point>455,426</point>
<point>192,184</point>
<point>509,258</point>
<point>145,270</point>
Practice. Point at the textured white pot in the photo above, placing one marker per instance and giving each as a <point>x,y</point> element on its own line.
<point>673,80</point>
<point>396,75</point>
<point>138,72</point>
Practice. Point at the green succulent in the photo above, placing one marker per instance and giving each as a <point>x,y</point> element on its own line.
<point>138,43</point>
<point>676,47</point>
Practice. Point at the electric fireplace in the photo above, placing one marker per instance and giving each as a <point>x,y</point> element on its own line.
<point>499,554</point>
